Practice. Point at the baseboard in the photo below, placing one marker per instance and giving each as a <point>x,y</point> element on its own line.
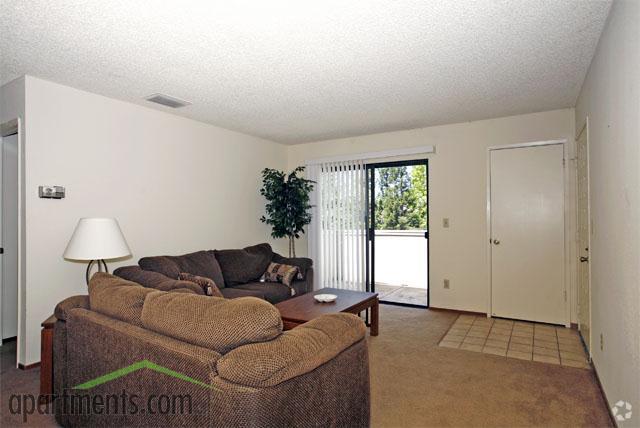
<point>28,366</point>
<point>484,314</point>
<point>457,311</point>
<point>404,305</point>
<point>9,339</point>
<point>604,395</point>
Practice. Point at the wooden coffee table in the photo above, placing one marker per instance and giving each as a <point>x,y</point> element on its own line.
<point>301,309</point>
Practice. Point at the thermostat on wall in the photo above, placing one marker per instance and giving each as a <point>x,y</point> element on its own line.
<point>51,192</point>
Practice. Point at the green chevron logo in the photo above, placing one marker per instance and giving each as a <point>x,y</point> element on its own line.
<point>144,364</point>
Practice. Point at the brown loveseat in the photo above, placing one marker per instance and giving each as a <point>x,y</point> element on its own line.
<point>210,361</point>
<point>236,272</point>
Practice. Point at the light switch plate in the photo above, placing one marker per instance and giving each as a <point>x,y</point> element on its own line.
<point>51,192</point>
<point>445,222</point>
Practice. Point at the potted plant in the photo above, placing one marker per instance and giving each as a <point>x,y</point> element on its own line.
<point>287,209</point>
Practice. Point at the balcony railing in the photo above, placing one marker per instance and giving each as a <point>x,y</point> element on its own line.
<point>402,266</point>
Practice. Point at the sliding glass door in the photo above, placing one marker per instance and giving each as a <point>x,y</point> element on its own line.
<point>398,232</point>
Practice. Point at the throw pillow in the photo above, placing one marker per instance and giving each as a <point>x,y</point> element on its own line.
<point>285,274</point>
<point>208,286</point>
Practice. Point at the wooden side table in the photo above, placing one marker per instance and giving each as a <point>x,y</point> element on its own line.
<point>46,356</point>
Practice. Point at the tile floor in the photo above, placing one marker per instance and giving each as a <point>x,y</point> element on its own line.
<point>517,339</point>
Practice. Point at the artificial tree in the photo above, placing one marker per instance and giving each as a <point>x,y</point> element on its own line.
<point>287,209</point>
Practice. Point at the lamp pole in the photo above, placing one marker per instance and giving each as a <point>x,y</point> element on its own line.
<point>100,263</point>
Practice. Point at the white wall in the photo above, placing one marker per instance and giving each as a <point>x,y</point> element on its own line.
<point>457,190</point>
<point>174,184</point>
<point>610,98</point>
<point>12,100</point>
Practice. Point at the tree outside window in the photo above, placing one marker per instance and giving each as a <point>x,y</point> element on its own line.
<point>401,198</point>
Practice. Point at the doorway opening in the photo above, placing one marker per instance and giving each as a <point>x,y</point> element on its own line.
<point>398,232</point>
<point>9,242</point>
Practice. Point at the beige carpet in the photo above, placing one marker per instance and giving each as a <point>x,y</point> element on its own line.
<point>416,383</point>
<point>16,381</point>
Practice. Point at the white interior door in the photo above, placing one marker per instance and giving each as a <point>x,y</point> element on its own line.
<point>527,233</point>
<point>584,280</point>
<point>9,214</point>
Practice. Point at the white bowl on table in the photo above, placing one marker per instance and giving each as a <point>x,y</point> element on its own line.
<point>325,298</point>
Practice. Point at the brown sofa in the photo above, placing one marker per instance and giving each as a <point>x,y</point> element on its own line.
<point>228,362</point>
<point>236,272</point>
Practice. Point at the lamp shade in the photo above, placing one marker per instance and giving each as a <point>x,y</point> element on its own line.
<point>96,239</point>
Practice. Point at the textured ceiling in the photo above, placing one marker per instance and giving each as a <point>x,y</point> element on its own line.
<point>294,71</point>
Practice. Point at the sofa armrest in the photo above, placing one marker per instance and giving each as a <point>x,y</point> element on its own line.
<point>293,353</point>
<point>62,308</point>
<point>181,286</point>
<point>302,263</point>
<point>304,285</point>
<point>335,394</point>
<point>158,281</point>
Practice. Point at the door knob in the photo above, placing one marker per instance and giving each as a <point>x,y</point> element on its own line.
<point>584,259</point>
<point>496,242</point>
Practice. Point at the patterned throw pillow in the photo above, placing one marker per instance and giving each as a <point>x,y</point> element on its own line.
<point>285,274</point>
<point>210,288</point>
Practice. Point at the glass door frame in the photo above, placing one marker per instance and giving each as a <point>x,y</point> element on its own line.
<point>371,227</point>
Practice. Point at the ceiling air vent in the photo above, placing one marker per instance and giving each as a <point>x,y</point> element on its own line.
<point>166,100</point>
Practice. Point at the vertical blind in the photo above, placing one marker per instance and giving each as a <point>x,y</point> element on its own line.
<point>337,234</point>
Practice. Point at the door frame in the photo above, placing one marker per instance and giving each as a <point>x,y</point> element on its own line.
<point>371,211</point>
<point>584,129</point>
<point>565,282</point>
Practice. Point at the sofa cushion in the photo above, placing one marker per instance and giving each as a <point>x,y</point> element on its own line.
<point>246,265</point>
<point>201,263</point>
<point>208,286</point>
<point>274,292</point>
<point>293,353</point>
<point>211,322</point>
<point>151,279</point>
<point>117,297</point>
